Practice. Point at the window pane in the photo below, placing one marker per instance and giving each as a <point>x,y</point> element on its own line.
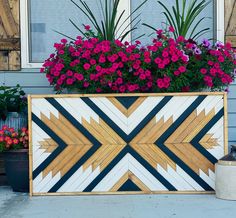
<point>48,15</point>
<point>152,15</point>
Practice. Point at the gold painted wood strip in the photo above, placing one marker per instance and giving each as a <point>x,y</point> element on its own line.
<point>101,158</point>
<point>111,132</point>
<point>67,135</point>
<point>162,156</point>
<point>148,149</point>
<point>226,137</point>
<point>130,94</point>
<point>95,156</point>
<point>138,182</point>
<point>98,135</point>
<point>112,155</point>
<point>125,193</point>
<point>163,128</point>
<point>74,131</point>
<point>56,128</point>
<point>195,156</point>
<point>146,131</point>
<point>136,104</point>
<point>177,136</point>
<point>30,146</point>
<point>76,158</point>
<point>183,157</point>
<point>200,125</point>
<point>66,160</point>
<point>145,155</point>
<point>58,160</point>
<point>120,182</point>
<point>119,106</point>
<point>109,139</point>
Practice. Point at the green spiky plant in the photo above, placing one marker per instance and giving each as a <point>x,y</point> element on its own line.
<point>182,19</point>
<point>111,23</point>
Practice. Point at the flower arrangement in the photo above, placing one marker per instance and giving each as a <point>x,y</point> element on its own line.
<point>166,65</point>
<point>12,140</point>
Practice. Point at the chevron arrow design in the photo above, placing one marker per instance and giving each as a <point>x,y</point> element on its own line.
<point>113,144</point>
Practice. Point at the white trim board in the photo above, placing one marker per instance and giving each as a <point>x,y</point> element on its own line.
<point>124,5</point>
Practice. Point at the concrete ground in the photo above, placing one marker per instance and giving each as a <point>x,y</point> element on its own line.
<point>138,206</point>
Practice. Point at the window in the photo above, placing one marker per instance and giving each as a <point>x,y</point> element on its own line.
<point>152,15</point>
<point>39,19</point>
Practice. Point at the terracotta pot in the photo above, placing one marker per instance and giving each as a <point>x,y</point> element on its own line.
<point>17,169</point>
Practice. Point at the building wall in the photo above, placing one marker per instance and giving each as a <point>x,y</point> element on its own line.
<point>35,83</point>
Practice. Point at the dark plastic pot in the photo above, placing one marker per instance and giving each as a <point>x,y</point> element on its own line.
<point>17,169</point>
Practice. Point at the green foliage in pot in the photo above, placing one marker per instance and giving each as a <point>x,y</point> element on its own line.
<point>11,100</point>
<point>112,26</point>
<point>185,18</point>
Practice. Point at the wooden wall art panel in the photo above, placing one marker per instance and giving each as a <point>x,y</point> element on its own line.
<point>123,144</point>
<point>9,35</point>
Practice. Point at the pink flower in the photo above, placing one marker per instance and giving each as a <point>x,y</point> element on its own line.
<point>69,73</point>
<point>165,54</point>
<point>61,52</point>
<point>87,66</point>
<point>182,69</point>
<point>86,84</point>
<point>158,60</point>
<point>175,58</point>
<point>161,66</point>
<point>64,41</point>
<point>119,81</point>
<point>160,83</point>
<point>98,68</point>
<point>92,62</point>
<point>177,73</point>
<point>122,89</point>
<point>211,63</point>
<point>98,90</point>
<point>69,81</point>
<point>171,29</point>
<point>79,76</point>
<point>142,76</point>
<point>87,27</point>
<point>185,89</point>
<point>221,59</point>
<point>147,60</point>
<point>203,71</point>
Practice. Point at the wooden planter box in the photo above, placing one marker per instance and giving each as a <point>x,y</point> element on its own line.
<point>133,143</point>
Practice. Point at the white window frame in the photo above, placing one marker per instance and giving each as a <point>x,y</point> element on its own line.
<point>124,4</point>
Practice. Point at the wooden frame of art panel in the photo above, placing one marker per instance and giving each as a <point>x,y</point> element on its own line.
<point>126,143</point>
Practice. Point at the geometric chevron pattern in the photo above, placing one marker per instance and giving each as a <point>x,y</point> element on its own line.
<point>125,143</point>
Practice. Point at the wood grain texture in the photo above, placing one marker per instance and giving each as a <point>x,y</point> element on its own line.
<point>230,21</point>
<point>164,152</point>
<point>9,35</point>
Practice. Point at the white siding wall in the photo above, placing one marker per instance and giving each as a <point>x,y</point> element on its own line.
<point>35,83</point>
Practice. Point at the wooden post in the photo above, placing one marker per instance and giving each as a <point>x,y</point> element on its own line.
<point>230,21</point>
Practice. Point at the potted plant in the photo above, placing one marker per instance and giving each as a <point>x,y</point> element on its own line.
<point>13,107</point>
<point>90,65</point>
<point>14,146</point>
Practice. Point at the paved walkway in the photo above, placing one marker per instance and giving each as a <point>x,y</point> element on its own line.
<point>139,206</point>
